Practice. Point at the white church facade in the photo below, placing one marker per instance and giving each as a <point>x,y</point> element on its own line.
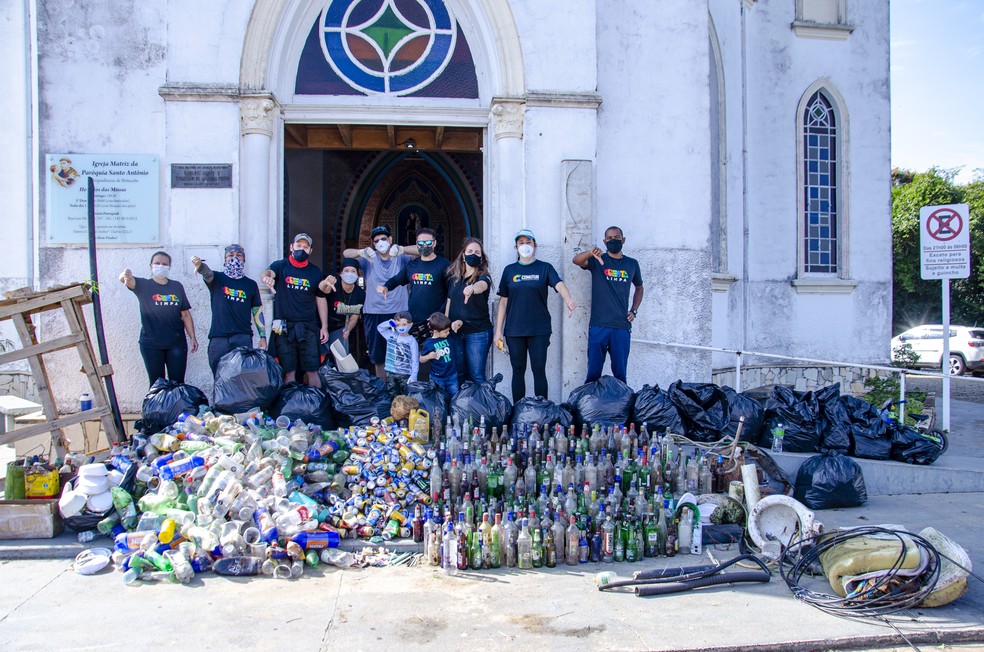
<point>742,145</point>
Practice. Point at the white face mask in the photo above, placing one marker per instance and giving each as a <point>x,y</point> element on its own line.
<point>160,271</point>
<point>350,277</point>
<point>526,251</point>
<point>383,246</point>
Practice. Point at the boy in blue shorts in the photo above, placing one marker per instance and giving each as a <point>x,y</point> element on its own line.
<point>437,350</point>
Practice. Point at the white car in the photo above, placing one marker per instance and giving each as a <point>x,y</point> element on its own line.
<point>966,346</point>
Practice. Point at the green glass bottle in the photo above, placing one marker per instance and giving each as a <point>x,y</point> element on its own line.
<point>550,551</point>
<point>537,548</point>
<point>475,551</point>
<point>631,542</point>
<point>620,539</point>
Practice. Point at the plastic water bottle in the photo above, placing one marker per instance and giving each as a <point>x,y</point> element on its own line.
<point>777,434</point>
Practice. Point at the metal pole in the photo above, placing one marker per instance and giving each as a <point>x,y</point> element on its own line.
<point>902,396</point>
<point>97,310</point>
<point>738,371</point>
<point>945,362</point>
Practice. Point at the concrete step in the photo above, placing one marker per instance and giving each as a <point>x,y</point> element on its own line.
<point>952,473</point>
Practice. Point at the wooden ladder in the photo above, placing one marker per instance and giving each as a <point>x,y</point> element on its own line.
<point>19,307</point>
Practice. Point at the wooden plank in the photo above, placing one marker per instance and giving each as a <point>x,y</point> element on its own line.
<point>391,136</point>
<point>50,346</point>
<point>323,137</point>
<point>462,141</point>
<point>439,138</point>
<point>297,132</point>
<point>46,301</point>
<point>345,131</point>
<point>76,323</point>
<point>41,381</point>
<point>104,370</point>
<point>55,424</point>
<point>364,137</point>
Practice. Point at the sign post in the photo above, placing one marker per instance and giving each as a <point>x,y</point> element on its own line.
<point>944,239</point>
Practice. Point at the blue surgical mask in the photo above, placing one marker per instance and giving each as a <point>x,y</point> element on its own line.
<point>402,330</point>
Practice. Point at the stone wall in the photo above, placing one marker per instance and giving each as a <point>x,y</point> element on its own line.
<point>18,383</point>
<point>802,377</point>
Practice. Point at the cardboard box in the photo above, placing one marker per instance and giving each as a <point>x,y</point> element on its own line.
<point>30,519</point>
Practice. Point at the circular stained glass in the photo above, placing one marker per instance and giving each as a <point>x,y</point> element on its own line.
<point>387,47</point>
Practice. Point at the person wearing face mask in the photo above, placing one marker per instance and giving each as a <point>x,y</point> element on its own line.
<point>402,353</point>
<point>469,284</point>
<point>381,262</point>
<point>236,306</point>
<point>165,318</point>
<point>426,280</point>
<point>523,318</point>
<point>610,328</point>
<point>299,310</point>
<point>345,301</point>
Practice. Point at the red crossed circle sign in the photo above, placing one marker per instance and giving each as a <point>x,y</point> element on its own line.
<point>944,224</point>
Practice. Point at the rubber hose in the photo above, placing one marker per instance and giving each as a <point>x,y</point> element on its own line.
<point>679,587</point>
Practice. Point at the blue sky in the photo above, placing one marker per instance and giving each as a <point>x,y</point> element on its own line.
<point>938,84</point>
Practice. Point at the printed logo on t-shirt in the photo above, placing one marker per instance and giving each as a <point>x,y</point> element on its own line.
<point>443,350</point>
<point>232,294</point>
<point>421,278</point>
<point>617,275</point>
<point>165,299</point>
<point>297,283</point>
<point>519,278</point>
<point>346,309</point>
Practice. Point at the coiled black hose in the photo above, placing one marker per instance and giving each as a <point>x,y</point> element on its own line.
<point>676,580</point>
<point>888,594</point>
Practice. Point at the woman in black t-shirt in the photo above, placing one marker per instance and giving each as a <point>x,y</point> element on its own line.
<point>165,317</point>
<point>523,322</point>
<point>469,283</point>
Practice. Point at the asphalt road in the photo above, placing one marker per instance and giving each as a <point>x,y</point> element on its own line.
<point>963,388</point>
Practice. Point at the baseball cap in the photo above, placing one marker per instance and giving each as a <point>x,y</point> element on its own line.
<point>380,230</point>
<point>525,233</point>
<point>304,236</point>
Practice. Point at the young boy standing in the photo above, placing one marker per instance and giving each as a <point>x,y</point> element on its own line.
<point>402,354</point>
<point>437,351</point>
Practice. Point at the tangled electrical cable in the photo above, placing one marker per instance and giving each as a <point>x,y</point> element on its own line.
<point>888,594</point>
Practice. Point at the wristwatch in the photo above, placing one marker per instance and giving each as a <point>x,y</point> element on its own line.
<point>634,312</point>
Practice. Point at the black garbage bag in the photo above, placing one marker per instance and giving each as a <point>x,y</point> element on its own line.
<point>476,400</point>
<point>741,405</point>
<point>166,401</point>
<point>246,378</point>
<point>869,435</point>
<point>914,447</point>
<point>433,398</point>
<point>605,402</point>
<point>830,480</point>
<point>538,410</point>
<point>654,408</point>
<point>703,408</point>
<point>87,520</point>
<point>835,423</point>
<point>356,397</point>
<point>309,404</point>
<point>797,413</point>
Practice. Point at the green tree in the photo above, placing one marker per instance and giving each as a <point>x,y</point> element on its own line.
<point>916,301</point>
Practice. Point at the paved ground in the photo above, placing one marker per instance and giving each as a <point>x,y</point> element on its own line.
<point>421,608</point>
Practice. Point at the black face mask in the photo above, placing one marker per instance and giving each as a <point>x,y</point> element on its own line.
<point>424,250</point>
<point>614,246</point>
<point>473,260</point>
<point>299,255</point>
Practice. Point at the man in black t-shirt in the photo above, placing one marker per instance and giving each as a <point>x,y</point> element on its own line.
<point>299,311</point>
<point>427,282</point>
<point>611,325</point>
<point>236,305</point>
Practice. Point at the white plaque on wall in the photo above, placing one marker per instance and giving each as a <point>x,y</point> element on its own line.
<point>127,189</point>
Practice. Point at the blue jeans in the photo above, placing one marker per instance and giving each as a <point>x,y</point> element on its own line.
<point>471,352</point>
<point>612,341</point>
<point>449,385</point>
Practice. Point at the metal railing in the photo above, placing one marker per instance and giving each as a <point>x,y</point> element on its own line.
<point>902,372</point>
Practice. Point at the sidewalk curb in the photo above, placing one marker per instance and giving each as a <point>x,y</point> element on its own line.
<point>906,639</point>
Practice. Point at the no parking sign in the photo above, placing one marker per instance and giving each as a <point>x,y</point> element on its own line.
<point>944,239</point>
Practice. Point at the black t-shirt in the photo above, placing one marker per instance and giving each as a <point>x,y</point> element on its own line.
<point>342,304</point>
<point>442,367</point>
<point>233,300</point>
<point>427,284</point>
<point>160,313</point>
<point>475,313</point>
<point>610,290</point>
<point>525,287</point>
<point>296,289</point>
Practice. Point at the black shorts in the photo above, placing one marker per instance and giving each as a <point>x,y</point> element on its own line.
<point>298,347</point>
<point>375,343</point>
